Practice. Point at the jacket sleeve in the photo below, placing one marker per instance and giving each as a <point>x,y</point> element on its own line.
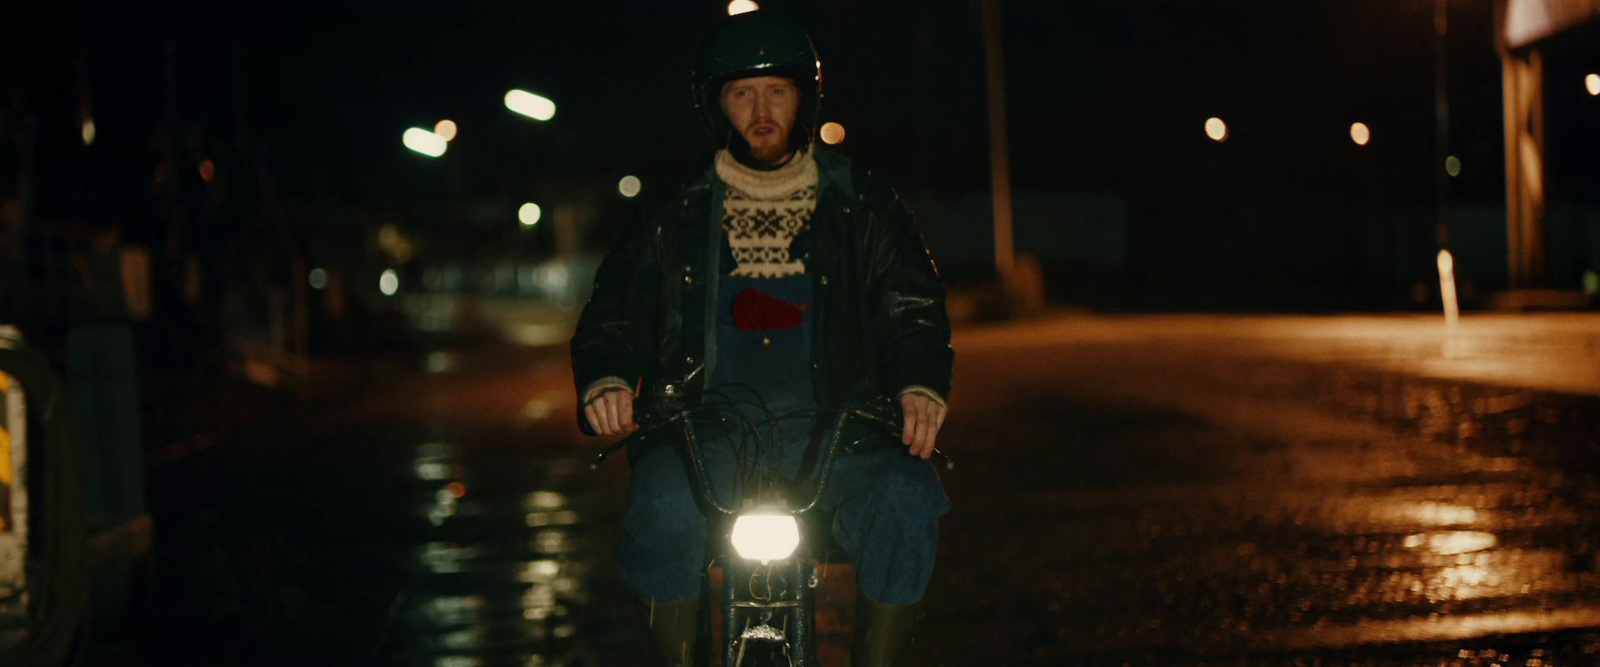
<point>612,338</point>
<point>912,326</point>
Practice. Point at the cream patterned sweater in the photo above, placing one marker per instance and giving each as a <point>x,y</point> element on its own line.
<point>765,210</point>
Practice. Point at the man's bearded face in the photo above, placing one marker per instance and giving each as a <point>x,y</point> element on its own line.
<point>763,109</point>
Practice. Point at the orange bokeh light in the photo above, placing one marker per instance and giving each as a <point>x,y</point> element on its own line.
<point>832,133</point>
<point>446,129</point>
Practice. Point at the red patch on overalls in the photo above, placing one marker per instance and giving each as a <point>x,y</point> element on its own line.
<point>755,310</point>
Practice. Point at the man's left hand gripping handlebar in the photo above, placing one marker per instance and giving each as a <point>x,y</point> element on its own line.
<point>923,419</point>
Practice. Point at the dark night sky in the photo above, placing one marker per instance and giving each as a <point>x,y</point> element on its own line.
<point>1099,91</point>
<point>1106,99</point>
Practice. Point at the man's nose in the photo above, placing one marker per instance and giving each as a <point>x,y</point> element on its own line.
<point>762,108</point>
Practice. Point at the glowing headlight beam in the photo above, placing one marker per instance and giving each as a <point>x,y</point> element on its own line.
<point>528,104</point>
<point>765,537</point>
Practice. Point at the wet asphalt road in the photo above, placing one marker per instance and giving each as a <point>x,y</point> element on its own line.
<point>1116,503</point>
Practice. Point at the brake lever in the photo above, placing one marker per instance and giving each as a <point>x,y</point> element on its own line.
<point>615,447</point>
<point>662,399</point>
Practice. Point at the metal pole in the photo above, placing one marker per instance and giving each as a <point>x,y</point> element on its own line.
<point>999,160</point>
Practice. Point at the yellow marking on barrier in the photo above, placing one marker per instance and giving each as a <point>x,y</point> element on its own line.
<point>7,472</point>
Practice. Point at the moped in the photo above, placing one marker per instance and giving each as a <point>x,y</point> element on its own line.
<point>770,542</point>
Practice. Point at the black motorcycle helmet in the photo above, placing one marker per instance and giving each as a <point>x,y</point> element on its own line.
<point>757,44</point>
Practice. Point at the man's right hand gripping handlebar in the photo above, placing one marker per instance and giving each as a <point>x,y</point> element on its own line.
<point>618,412</point>
<point>611,413</point>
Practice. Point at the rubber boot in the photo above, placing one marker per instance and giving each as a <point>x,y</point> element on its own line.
<point>675,626</point>
<point>883,633</point>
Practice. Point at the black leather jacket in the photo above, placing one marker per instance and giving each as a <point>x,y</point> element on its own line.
<point>880,318</point>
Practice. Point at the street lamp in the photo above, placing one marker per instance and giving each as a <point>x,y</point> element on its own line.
<point>446,129</point>
<point>425,142</point>
<point>1360,133</point>
<point>529,214</point>
<point>742,7</point>
<point>389,282</point>
<point>629,186</point>
<point>1216,129</point>
<point>528,104</point>
<point>832,133</point>
<point>1592,82</point>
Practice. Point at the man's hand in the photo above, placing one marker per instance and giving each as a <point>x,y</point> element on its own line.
<point>611,413</point>
<point>924,416</point>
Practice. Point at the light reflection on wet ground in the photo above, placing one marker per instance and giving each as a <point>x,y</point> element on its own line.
<point>512,584</point>
<point>460,548</point>
<point>1159,506</point>
<point>1115,503</point>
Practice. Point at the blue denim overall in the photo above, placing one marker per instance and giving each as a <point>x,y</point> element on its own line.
<point>886,503</point>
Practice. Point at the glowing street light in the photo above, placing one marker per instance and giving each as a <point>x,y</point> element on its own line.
<point>1592,82</point>
<point>425,142</point>
<point>88,130</point>
<point>1360,133</point>
<point>1452,166</point>
<point>528,104</point>
<point>446,129</point>
<point>629,186</point>
<point>529,214</point>
<point>832,133</point>
<point>742,7</point>
<point>389,282</point>
<point>1216,129</point>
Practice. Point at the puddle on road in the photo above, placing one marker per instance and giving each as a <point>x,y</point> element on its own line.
<point>511,580</point>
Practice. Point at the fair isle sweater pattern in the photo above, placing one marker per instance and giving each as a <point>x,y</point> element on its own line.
<point>764,211</point>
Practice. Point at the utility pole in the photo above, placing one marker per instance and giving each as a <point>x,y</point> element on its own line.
<point>1441,121</point>
<point>999,153</point>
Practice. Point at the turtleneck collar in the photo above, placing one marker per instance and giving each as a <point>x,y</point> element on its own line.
<point>799,172</point>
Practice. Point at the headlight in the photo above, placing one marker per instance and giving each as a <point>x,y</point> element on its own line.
<point>765,537</point>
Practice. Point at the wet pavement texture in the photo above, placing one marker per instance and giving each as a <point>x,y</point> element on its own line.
<point>1118,501</point>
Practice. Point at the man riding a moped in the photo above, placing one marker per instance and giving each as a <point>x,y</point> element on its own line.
<point>771,318</point>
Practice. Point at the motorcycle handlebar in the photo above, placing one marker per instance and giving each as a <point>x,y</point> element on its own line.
<point>663,406</point>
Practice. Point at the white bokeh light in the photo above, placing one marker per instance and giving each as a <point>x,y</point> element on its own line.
<point>1216,129</point>
<point>529,214</point>
<point>425,142</point>
<point>1360,133</point>
<point>629,186</point>
<point>537,107</point>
